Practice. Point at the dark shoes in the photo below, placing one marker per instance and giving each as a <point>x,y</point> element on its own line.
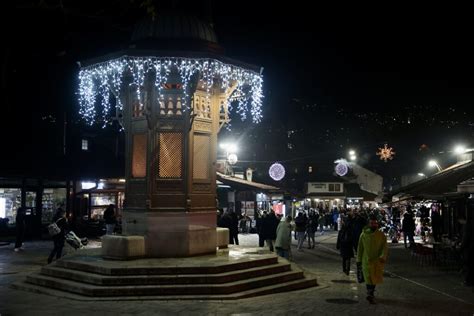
<point>371,299</point>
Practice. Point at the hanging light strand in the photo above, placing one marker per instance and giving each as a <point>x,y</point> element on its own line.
<point>96,82</point>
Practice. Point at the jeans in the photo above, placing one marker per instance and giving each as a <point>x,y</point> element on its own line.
<point>109,229</point>
<point>261,241</point>
<point>311,237</point>
<point>283,253</point>
<point>57,250</point>
<point>300,237</point>
<point>410,238</point>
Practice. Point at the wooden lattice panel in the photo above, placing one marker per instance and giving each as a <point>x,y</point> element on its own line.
<point>139,156</point>
<point>171,155</point>
<point>201,157</point>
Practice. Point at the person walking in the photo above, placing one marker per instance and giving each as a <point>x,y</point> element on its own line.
<point>226,222</point>
<point>110,219</point>
<point>358,225</point>
<point>270,224</point>
<point>300,229</point>
<point>371,256</point>
<point>20,228</point>
<point>259,222</point>
<point>283,238</point>
<point>59,239</point>
<point>234,228</point>
<point>436,225</point>
<point>311,229</point>
<point>408,227</point>
<point>345,244</point>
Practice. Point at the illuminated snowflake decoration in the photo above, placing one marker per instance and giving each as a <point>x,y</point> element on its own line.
<point>342,167</point>
<point>386,153</point>
<point>276,171</point>
<point>99,83</point>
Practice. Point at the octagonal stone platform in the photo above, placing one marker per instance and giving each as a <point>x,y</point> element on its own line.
<point>231,274</point>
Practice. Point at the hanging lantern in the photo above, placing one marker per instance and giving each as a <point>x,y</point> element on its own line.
<point>276,171</point>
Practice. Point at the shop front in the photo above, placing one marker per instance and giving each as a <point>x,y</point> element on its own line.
<point>39,197</point>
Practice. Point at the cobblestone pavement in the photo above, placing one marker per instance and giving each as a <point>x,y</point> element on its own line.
<point>408,289</point>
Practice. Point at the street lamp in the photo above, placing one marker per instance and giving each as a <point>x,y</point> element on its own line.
<point>229,148</point>
<point>433,163</point>
<point>459,150</point>
<point>421,174</point>
<point>352,155</point>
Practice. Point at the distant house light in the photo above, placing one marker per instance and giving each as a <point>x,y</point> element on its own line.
<point>85,144</point>
<point>87,185</point>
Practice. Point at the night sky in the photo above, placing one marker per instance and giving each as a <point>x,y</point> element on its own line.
<point>338,77</point>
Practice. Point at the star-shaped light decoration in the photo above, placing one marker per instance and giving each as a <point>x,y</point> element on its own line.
<point>386,153</point>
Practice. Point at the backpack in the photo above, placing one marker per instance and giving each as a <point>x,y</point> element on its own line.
<point>53,229</point>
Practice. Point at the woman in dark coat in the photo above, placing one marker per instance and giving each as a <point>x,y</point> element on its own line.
<point>345,244</point>
<point>269,227</point>
<point>59,239</point>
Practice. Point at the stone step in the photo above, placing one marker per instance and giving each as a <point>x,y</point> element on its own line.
<point>104,268</point>
<point>300,284</point>
<point>218,278</point>
<point>165,290</point>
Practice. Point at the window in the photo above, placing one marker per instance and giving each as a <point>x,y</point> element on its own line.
<point>310,169</point>
<point>334,187</point>
<point>170,156</point>
<point>85,144</point>
<point>139,156</point>
<point>201,157</point>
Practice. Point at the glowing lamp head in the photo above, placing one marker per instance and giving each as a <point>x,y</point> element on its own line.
<point>432,163</point>
<point>459,150</point>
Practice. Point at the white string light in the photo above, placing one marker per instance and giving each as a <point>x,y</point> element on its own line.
<point>97,81</point>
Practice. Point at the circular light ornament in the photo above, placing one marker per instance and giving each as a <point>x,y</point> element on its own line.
<point>341,169</point>
<point>276,171</point>
<point>232,158</point>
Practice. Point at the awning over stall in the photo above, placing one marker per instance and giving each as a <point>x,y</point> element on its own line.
<point>242,184</point>
<point>439,184</point>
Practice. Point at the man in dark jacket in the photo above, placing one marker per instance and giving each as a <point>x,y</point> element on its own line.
<point>259,222</point>
<point>234,228</point>
<point>408,227</point>
<point>436,225</point>
<point>300,228</point>
<point>20,228</point>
